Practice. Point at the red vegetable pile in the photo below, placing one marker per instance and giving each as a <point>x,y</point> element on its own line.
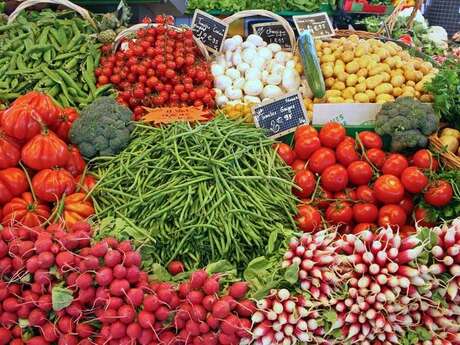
<point>161,67</point>
<point>355,184</point>
<point>34,135</point>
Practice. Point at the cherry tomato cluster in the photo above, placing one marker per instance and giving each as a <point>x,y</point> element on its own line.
<point>356,185</point>
<point>161,67</point>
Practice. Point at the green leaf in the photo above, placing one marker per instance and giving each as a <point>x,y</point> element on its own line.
<point>258,264</point>
<point>423,333</point>
<point>272,240</point>
<point>23,323</point>
<point>220,266</point>
<point>292,273</point>
<point>330,316</point>
<point>61,298</point>
<point>428,236</point>
<point>160,273</point>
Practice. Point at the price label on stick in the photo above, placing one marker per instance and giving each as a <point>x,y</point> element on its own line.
<point>281,116</point>
<point>318,24</point>
<point>209,30</point>
<point>272,32</point>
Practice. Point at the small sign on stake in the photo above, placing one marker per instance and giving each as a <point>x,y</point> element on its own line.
<point>210,30</point>
<point>319,24</point>
<point>281,116</point>
<point>273,32</point>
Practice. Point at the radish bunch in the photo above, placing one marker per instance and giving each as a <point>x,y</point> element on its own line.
<point>318,261</point>
<point>285,319</point>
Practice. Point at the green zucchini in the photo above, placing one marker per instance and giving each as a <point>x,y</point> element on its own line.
<point>312,68</point>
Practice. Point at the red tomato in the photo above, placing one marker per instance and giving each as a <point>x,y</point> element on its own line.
<point>304,147</point>
<point>395,164</point>
<point>349,140</point>
<point>332,134</point>
<point>439,193</point>
<point>308,218</point>
<point>407,230</point>
<point>423,159</point>
<point>360,173</point>
<point>26,211</point>
<point>407,204</point>
<point>366,194</point>
<point>334,178</point>
<point>365,213</point>
<point>305,131</point>
<point>64,123</point>
<point>298,164</point>
<point>50,184</point>
<point>85,183</point>
<point>347,194</point>
<point>414,180</point>
<point>323,199</point>
<point>10,152</point>
<point>423,217</point>
<point>321,159</point>
<point>13,182</point>
<point>339,212</point>
<point>306,181</point>
<point>371,140</point>
<point>388,189</point>
<point>392,215</point>
<point>41,105</point>
<point>286,153</point>
<point>363,227</point>
<point>75,165</point>
<point>346,153</point>
<point>376,157</point>
<point>44,151</point>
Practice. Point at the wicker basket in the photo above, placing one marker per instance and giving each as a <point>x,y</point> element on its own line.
<point>450,159</point>
<point>29,3</point>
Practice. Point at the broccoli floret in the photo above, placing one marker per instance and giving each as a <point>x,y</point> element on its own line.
<point>408,122</point>
<point>103,128</point>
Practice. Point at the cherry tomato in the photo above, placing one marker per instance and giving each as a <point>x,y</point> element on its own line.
<point>395,165</point>
<point>439,193</point>
<point>371,140</point>
<point>365,213</point>
<point>332,134</point>
<point>298,164</point>
<point>392,215</point>
<point>346,153</point>
<point>407,230</point>
<point>286,153</point>
<point>308,218</point>
<point>339,212</point>
<point>360,173</point>
<point>334,178</point>
<point>305,146</point>
<point>321,159</point>
<point>423,217</point>
<point>363,227</point>
<point>423,159</point>
<point>376,157</point>
<point>388,189</point>
<point>414,180</point>
<point>407,204</point>
<point>306,181</point>
<point>366,194</point>
<point>305,131</point>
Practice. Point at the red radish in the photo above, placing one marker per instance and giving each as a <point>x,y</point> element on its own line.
<point>133,331</point>
<point>176,267</point>
<point>112,258</point>
<point>117,330</point>
<point>238,290</point>
<point>5,336</point>
<point>119,287</point>
<point>208,302</point>
<point>195,297</point>
<point>211,286</point>
<point>198,278</point>
<point>84,330</point>
<point>162,313</point>
<point>126,314</point>
<point>221,309</point>
<point>151,303</point>
<point>146,319</point>
<point>132,259</point>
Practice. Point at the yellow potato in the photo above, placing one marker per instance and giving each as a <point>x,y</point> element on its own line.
<point>426,98</point>
<point>386,76</point>
<point>397,80</point>
<point>410,75</point>
<point>352,80</point>
<point>449,142</point>
<point>349,92</point>
<point>418,75</point>
<point>383,98</point>
<point>373,82</point>
<point>407,88</point>
<point>451,132</point>
<point>390,61</point>
<point>379,68</point>
<point>329,82</point>
<point>361,50</point>
<point>342,76</point>
<point>327,51</point>
<point>374,57</point>
<point>338,53</point>
<point>397,91</point>
<point>362,72</point>
<point>347,56</point>
<point>382,53</point>
<point>410,83</point>
<point>361,98</point>
<point>426,67</point>
<point>335,100</point>
<point>327,69</point>
<point>397,71</point>
<point>360,87</point>
<point>352,67</point>
<point>371,94</point>
<point>333,93</point>
<point>418,94</point>
<point>384,88</point>
<point>364,61</point>
<point>339,67</point>
<point>420,86</point>
<point>338,85</point>
<point>361,79</point>
<point>327,58</point>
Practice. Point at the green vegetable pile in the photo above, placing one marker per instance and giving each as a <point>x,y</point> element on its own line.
<point>445,87</point>
<point>199,193</point>
<point>54,52</point>
<point>269,5</point>
<point>408,122</point>
<point>103,128</point>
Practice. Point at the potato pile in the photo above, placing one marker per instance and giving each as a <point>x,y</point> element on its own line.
<point>450,139</point>
<point>370,71</point>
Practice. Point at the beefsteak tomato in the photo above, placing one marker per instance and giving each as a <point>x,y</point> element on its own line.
<point>51,184</point>
<point>21,122</point>
<point>25,211</point>
<point>77,207</point>
<point>75,165</point>
<point>85,183</point>
<point>13,182</point>
<point>64,122</point>
<point>10,152</point>
<point>42,104</point>
<point>45,151</point>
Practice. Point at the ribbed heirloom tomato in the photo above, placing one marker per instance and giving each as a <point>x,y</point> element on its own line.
<point>308,218</point>
<point>388,189</point>
<point>75,164</point>
<point>13,182</point>
<point>25,210</point>
<point>45,150</point>
<point>306,181</point>
<point>64,122</point>
<point>51,184</point>
<point>10,152</point>
<point>77,207</point>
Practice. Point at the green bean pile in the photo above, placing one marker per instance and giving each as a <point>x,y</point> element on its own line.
<point>54,52</point>
<point>199,193</point>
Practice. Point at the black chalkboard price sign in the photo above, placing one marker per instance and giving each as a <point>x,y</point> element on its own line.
<point>209,30</point>
<point>272,32</point>
<point>318,24</point>
<point>281,116</point>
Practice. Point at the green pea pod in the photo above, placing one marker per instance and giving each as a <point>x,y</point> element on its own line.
<point>9,27</point>
<point>56,78</point>
<point>39,48</point>
<point>65,56</point>
<point>14,83</point>
<point>44,36</point>
<point>70,82</point>
<point>73,42</point>
<point>54,91</point>
<point>20,62</point>
<point>71,64</point>
<point>63,100</point>
<point>102,89</point>
<point>47,56</point>
<point>62,37</point>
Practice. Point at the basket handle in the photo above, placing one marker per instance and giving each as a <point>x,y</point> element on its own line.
<point>264,13</point>
<point>126,32</point>
<point>28,3</point>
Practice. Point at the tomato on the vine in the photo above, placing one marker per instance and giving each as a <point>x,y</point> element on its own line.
<point>388,189</point>
<point>407,204</point>
<point>305,131</point>
<point>366,194</point>
<point>424,159</point>
<point>371,140</point>
<point>347,194</point>
<point>395,165</point>
<point>392,215</point>
<point>339,212</point>
<point>306,181</point>
<point>308,218</point>
<point>439,193</point>
<point>365,213</point>
<point>298,164</point>
<point>321,159</point>
<point>363,227</point>
<point>334,178</point>
<point>360,173</point>
<point>414,180</point>
<point>346,153</point>
<point>332,134</point>
<point>423,217</point>
<point>286,153</point>
<point>376,157</point>
<point>305,146</point>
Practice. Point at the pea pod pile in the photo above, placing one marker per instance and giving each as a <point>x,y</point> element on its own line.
<point>199,193</point>
<point>54,52</point>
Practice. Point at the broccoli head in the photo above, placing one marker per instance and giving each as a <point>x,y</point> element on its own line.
<point>408,121</point>
<point>103,128</point>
